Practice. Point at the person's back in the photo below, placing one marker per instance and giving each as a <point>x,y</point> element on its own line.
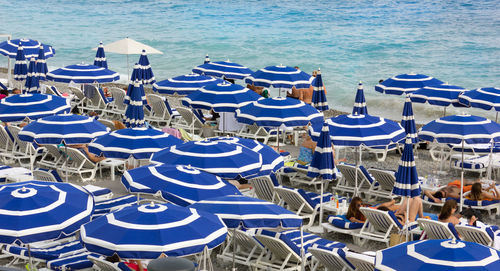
<point>447,213</point>
<point>307,94</point>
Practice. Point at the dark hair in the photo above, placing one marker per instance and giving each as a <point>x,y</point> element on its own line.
<point>353,210</point>
<point>383,208</point>
<point>438,195</point>
<point>113,258</point>
<point>476,191</point>
<point>4,92</point>
<point>447,208</point>
<point>381,80</point>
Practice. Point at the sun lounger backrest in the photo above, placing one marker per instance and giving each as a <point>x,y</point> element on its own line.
<point>264,188</point>
<point>78,93</point>
<point>188,116</point>
<point>349,173</point>
<point>294,200</point>
<point>247,240</point>
<point>6,142</point>
<point>118,95</point>
<point>437,230</point>
<point>474,234</point>
<point>278,248</point>
<point>107,123</point>
<point>362,262</point>
<point>158,106</point>
<point>44,175</point>
<point>330,258</point>
<point>79,159</point>
<point>380,220</point>
<point>104,265</point>
<point>385,178</point>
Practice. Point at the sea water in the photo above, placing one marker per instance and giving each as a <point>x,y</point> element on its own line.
<point>455,41</point>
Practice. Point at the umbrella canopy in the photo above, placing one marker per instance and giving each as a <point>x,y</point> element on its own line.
<point>484,98</point>
<point>100,57</point>
<point>360,102</point>
<point>453,129</point>
<point>181,185</point>
<point>408,121</point>
<point>249,212</point>
<point>406,184</point>
<point>145,73</point>
<point>322,164</point>
<point>41,65</point>
<point>135,100</point>
<point>184,84</point>
<point>271,160</point>
<point>357,130</point>
<point>32,83</point>
<point>147,231</point>
<point>441,95</point>
<point>220,158</point>
<point>438,255</point>
<point>67,128</point>
<point>139,143</point>
<point>207,59</point>
<point>221,97</point>
<point>36,211</point>
<point>83,73</point>
<point>9,48</point>
<point>20,67</point>
<point>225,69</point>
<point>319,97</point>
<point>278,111</point>
<point>32,106</point>
<point>129,47</point>
<point>280,77</point>
<point>406,83</point>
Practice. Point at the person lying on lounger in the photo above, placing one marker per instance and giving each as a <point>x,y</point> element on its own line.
<point>452,190</point>
<point>415,209</point>
<point>355,215</point>
<point>478,193</point>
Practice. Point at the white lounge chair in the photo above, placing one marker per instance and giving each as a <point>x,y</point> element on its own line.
<point>118,107</point>
<point>259,133</point>
<point>386,180</point>
<point>79,101</point>
<point>45,175</point>
<point>339,225</point>
<point>159,111</point>
<point>107,123</point>
<point>348,183</point>
<point>192,123</point>
<point>474,234</point>
<point>248,249</point>
<point>79,164</point>
<point>103,265</point>
<point>52,158</point>
<point>263,188</point>
<point>7,146</point>
<point>331,258</point>
<point>436,229</point>
<point>381,152</point>
<point>362,261</point>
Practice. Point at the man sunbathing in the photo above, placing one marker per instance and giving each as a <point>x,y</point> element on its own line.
<point>452,190</point>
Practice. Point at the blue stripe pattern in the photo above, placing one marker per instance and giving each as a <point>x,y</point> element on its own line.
<point>67,128</point>
<point>226,69</point>
<point>408,121</point>
<point>407,184</point>
<point>32,83</point>
<point>32,106</point>
<point>221,97</point>
<point>147,231</point>
<point>20,67</point>
<point>322,164</point>
<point>274,112</point>
<point>220,158</point>
<point>441,95</point>
<point>249,212</point>
<point>100,57</point>
<point>36,211</point>
<point>319,96</point>
<point>181,185</point>
<point>360,102</point>
<point>139,143</point>
<point>144,73</point>
<point>454,129</point>
<point>280,77</point>
<point>438,254</point>
<point>9,48</point>
<point>135,100</point>
<point>41,65</point>
<point>184,84</point>
<point>484,98</point>
<point>356,130</point>
<point>83,73</point>
<point>406,83</point>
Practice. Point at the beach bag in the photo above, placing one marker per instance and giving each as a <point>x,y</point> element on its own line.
<point>396,239</point>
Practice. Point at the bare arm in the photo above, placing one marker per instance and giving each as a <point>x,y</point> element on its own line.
<point>353,219</point>
<point>429,195</point>
<point>92,157</point>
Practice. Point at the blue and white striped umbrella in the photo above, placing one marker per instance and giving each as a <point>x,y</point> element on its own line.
<point>220,97</point>
<point>20,67</point>
<point>408,121</point>
<point>406,83</point>
<point>83,73</point>
<point>484,98</point>
<point>100,57</point>
<point>135,100</point>
<point>32,106</point>
<point>184,84</point>
<point>319,96</point>
<point>360,102</point>
<point>41,65</point>
<point>226,69</point>
<point>280,77</point>
<point>139,143</point>
<point>271,160</point>
<point>322,164</point>
<point>147,231</point>
<point>220,158</point>
<point>249,212</point>
<point>67,128</point>
<point>35,211</point>
<point>274,112</point>
<point>358,130</point>
<point>453,129</point>
<point>433,255</point>
<point>32,83</point>
<point>181,185</point>
<point>441,95</point>
<point>406,184</point>
<point>145,73</point>
<point>9,48</point>
<point>207,59</point>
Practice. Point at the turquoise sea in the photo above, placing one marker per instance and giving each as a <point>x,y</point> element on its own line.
<point>454,41</point>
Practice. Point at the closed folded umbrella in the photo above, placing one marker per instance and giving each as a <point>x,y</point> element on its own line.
<point>100,57</point>
<point>41,65</point>
<point>360,102</point>
<point>20,67</point>
<point>145,73</point>
<point>135,99</point>
<point>408,121</point>
<point>319,96</point>
<point>32,83</point>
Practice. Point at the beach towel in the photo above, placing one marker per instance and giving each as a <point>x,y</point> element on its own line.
<point>172,132</point>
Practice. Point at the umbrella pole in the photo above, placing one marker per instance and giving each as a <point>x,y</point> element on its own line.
<point>490,163</point>
<point>234,249</point>
<point>356,173</point>
<point>444,112</point>
<point>496,118</point>
<point>302,256</point>
<point>278,138</point>
<point>30,259</point>
<point>321,206</point>
<point>9,73</point>
<point>407,218</point>
<point>66,157</point>
<point>128,73</point>
<point>462,178</point>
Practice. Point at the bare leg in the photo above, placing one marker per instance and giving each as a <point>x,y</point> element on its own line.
<point>415,208</point>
